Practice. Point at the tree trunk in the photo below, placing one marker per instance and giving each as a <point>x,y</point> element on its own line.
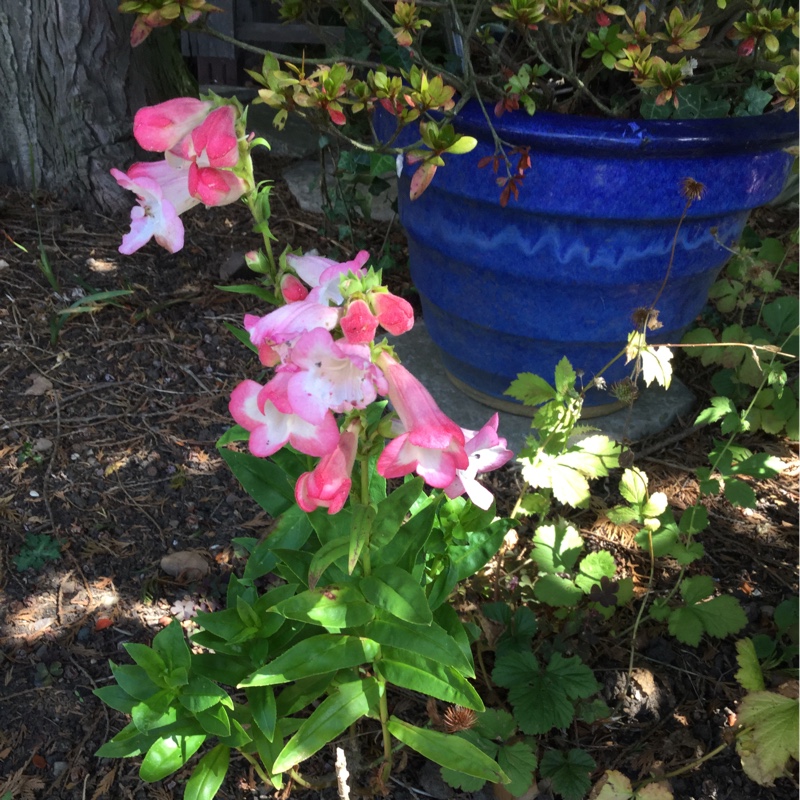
<point>70,84</point>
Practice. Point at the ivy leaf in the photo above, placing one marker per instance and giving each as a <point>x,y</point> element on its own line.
<point>749,674</point>
<point>569,772</point>
<point>765,751</point>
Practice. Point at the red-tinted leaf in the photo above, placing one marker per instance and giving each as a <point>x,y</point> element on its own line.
<point>421,180</point>
<point>39,762</point>
<point>102,623</point>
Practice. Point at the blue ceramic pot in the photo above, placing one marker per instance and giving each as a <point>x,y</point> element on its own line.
<point>560,271</point>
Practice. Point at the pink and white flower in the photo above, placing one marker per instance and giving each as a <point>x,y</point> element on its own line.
<point>486,451</point>
<point>324,274</point>
<point>162,193</point>
<point>266,413</point>
<point>430,444</point>
<point>290,321</point>
<point>328,484</point>
<point>293,289</point>
<point>326,374</point>
<point>161,127</point>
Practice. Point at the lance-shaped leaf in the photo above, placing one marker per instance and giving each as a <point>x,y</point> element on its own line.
<point>168,754</point>
<point>346,705</point>
<point>208,775</point>
<point>395,591</point>
<point>429,641</point>
<point>325,556</point>
<point>331,606</point>
<point>315,656</point>
<point>420,674</point>
<point>448,751</point>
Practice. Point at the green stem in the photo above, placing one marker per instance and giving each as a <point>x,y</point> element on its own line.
<point>252,204</point>
<point>386,769</point>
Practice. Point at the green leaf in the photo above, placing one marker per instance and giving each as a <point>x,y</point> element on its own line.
<point>719,617</point>
<point>557,591</point>
<point>447,750</point>
<point>393,510</point>
<point>420,674</point>
<point>482,547</point>
<point>315,656</point>
<point>155,712</point>
<point>395,591</point>
<point>515,668</point>
<point>430,641</point>
<point>263,709</point>
<point>300,694</point>
<point>208,775</point>
<point>263,480</point>
<point>347,704</point>
<point>147,658</point>
<point>134,680</point>
<point>766,750</point>
<point>565,377</point>
<point>694,520</point>
<point>593,568</point>
<point>215,721</point>
<point>749,674</point>
<point>531,389</point>
<point>168,754</point>
<point>495,724</point>
<point>171,645</point>
<point>569,772</point>
<point>116,697</point>
<point>740,493</point>
<point>202,693</point>
<point>363,520</point>
<point>569,485</point>
<point>329,552</point>
<point>697,588</point>
<point>130,741</point>
<point>633,486</point>
<point>519,762</point>
<point>574,678</point>
<point>332,607</point>
<point>556,547</point>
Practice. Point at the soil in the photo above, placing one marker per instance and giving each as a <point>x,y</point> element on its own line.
<point>107,446</point>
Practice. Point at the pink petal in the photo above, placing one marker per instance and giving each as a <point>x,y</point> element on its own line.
<point>216,138</point>
<point>162,126</point>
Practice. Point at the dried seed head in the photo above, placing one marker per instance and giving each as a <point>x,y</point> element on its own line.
<point>625,391</point>
<point>646,317</point>
<point>692,190</point>
<point>458,718</point>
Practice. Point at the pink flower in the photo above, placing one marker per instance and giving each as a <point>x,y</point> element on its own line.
<point>394,313</point>
<point>288,322</point>
<point>162,126</point>
<point>162,194</point>
<point>209,150</point>
<point>265,412</point>
<point>324,274</point>
<point>431,444</point>
<point>359,323</point>
<point>293,289</point>
<point>327,375</point>
<point>486,451</point>
<point>328,484</point>
<point>603,20</point>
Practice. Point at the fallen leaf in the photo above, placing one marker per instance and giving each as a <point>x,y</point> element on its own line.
<point>102,623</point>
<point>39,761</point>
<point>39,386</point>
<point>186,565</point>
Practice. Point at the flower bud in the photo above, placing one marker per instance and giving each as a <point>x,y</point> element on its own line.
<point>394,314</point>
<point>359,323</point>
<point>293,289</point>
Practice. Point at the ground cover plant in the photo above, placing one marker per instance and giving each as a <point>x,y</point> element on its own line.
<point>552,586</point>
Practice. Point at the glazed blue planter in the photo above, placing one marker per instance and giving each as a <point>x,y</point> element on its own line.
<point>560,271</point>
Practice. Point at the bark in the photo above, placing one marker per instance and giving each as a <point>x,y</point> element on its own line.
<point>69,86</point>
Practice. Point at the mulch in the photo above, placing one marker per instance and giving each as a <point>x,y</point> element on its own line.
<point>107,445</point>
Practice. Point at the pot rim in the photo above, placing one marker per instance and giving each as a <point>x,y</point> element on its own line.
<point>635,137</point>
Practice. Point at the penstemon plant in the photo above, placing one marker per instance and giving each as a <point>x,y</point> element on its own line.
<point>358,576</point>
